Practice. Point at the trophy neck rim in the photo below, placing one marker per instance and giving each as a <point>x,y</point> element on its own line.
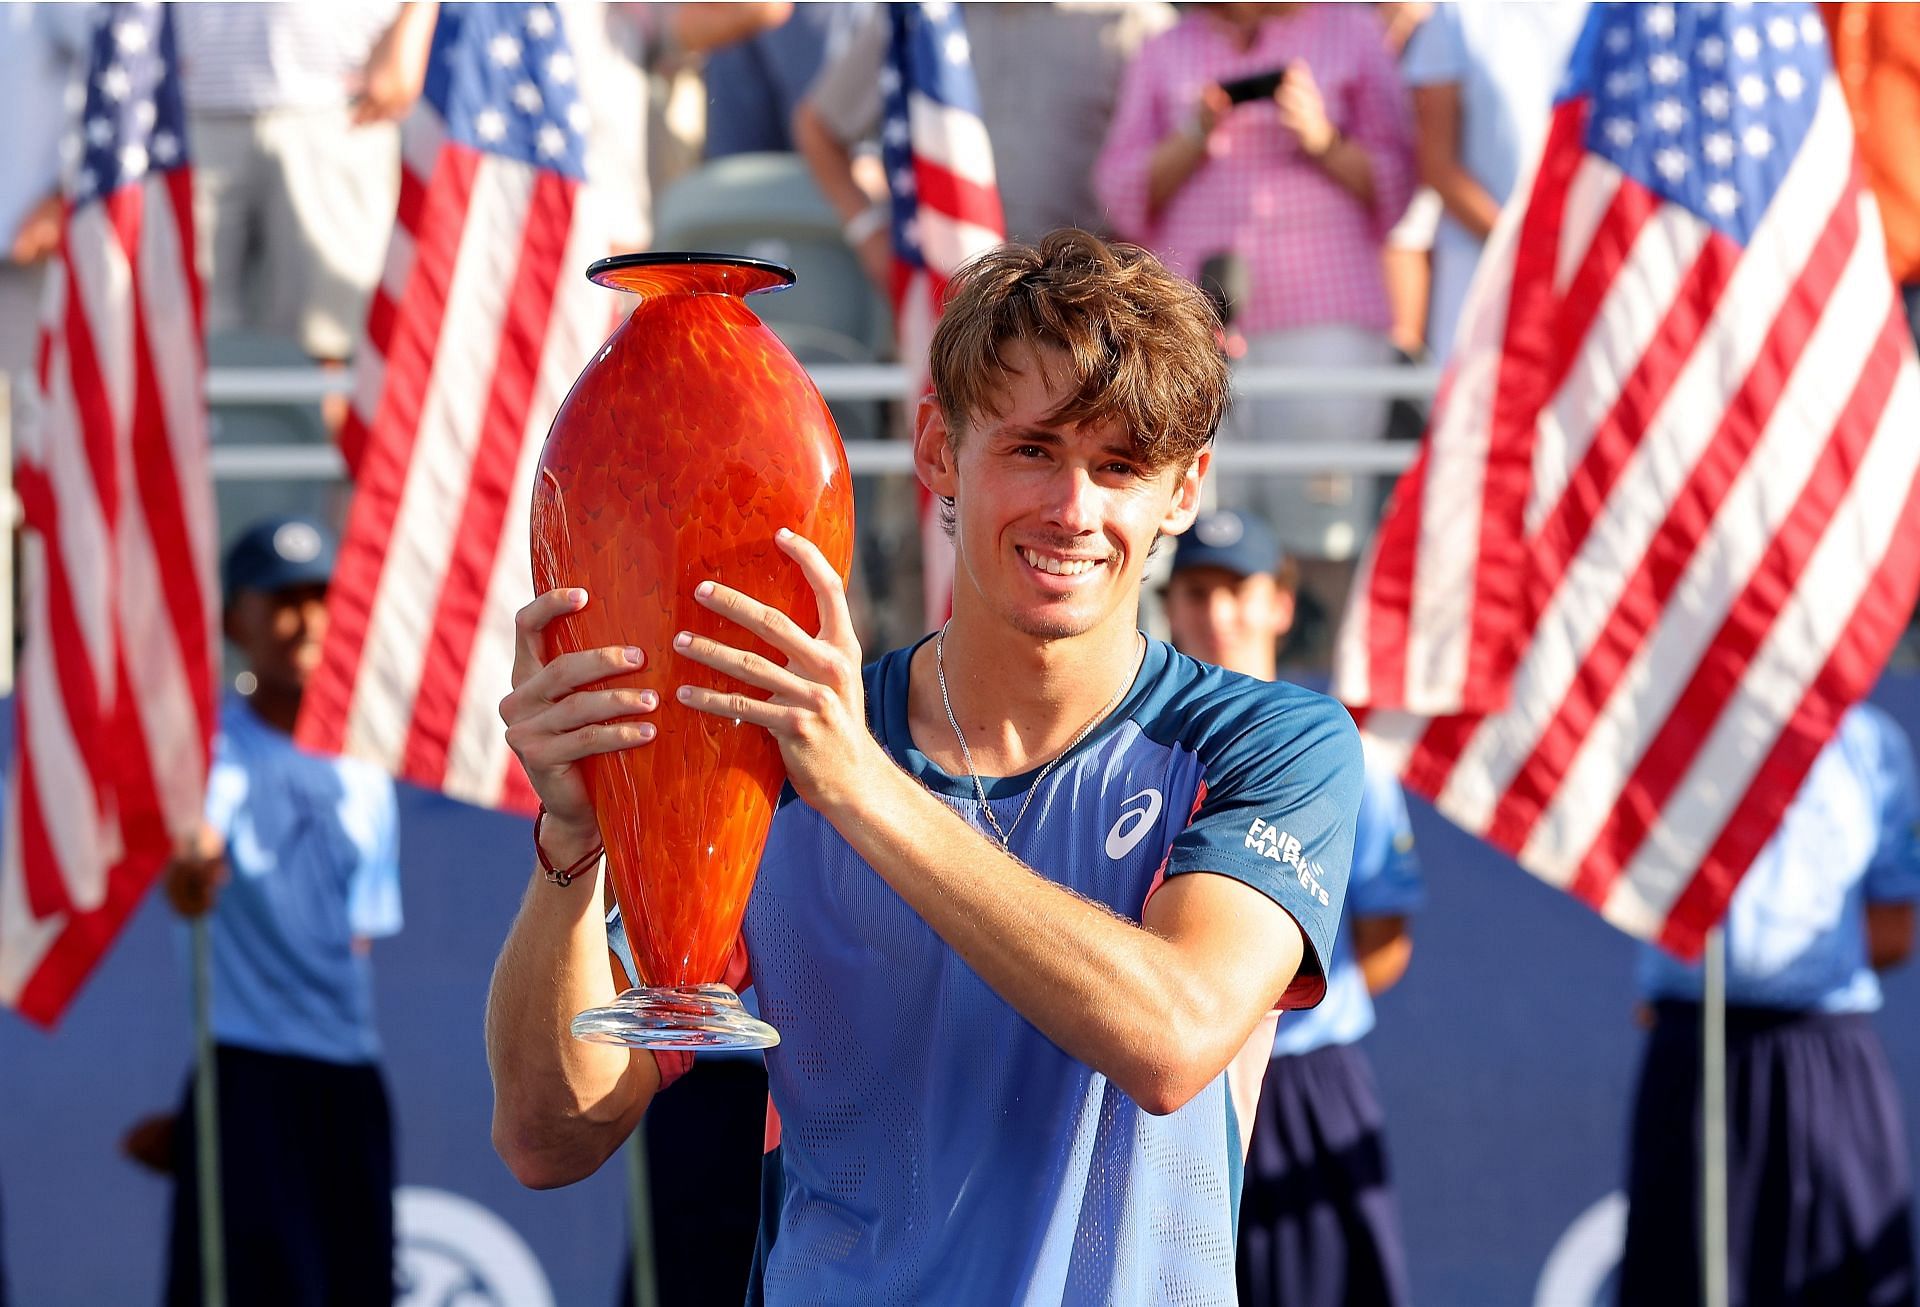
<point>670,272</point>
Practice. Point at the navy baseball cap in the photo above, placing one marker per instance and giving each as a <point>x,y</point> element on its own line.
<point>278,553</point>
<point>1233,542</point>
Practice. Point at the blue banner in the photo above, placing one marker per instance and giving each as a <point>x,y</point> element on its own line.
<point>1506,1062</point>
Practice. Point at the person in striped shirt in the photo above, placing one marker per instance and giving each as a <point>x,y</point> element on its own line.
<point>1036,878</point>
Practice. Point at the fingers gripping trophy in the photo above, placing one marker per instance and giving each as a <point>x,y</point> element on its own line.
<point>692,499</point>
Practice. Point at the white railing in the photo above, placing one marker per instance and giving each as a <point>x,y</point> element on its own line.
<point>229,386</point>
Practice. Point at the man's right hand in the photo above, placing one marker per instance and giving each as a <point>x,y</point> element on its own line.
<point>553,720</point>
<point>196,872</point>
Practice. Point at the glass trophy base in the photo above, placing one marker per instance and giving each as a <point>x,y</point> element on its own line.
<point>689,1016</point>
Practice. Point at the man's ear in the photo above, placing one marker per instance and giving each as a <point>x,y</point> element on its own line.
<point>1285,609</point>
<point>1186,495</point>
<point>933,452</point>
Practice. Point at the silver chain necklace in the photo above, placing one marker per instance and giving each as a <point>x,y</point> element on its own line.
<point>966,754</point>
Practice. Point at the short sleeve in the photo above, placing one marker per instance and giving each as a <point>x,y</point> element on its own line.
<point>1386,880</point>
<point>373,895</point>
<point>1436,53</point>
<point>846,92</point>
<point>1894,873</point>
<point>1282,790</point>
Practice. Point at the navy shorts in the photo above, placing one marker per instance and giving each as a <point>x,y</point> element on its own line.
<point>1318,1222</point>
<point>306,1170</point>
<point>1818,1191</point>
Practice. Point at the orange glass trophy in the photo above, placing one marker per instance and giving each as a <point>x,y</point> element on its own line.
<point>689,440</point>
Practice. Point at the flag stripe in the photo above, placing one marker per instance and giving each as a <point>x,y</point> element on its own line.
<point>1695,342</point>
<point>479,764</point>
<point>477,538</point>
<point>1755,653</point>
<point>479,327</point>
<point>952,139</point>
<point>1632,406</point>
<point>1596,665</point>
<point>1866,640</point>
<point>113,708</point>
<point>1727,565</point>
<point>972,204</point>
<point>1502,458</point>
<point>426,514</point>
<point>330,696</point>
<point>177,636</point>
<point>1740,332</point>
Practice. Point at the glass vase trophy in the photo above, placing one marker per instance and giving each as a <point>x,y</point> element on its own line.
<point>691,438</point>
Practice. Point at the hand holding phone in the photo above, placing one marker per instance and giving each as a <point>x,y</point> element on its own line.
<point>1258,86</point>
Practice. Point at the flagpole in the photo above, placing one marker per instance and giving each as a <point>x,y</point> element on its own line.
<point>640,1213</point>
<point>1713,1120</point>
<point>206,1118</point>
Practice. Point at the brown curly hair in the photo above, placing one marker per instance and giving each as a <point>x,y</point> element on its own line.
<point>1142,345</point>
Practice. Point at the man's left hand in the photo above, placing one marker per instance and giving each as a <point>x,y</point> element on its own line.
<point>817,711</point>
<point>38,236</point>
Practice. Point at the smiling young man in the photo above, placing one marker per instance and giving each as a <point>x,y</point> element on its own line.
<point>1038,877</point>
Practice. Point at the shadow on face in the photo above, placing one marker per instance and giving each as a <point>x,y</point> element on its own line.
<point>280,633</point>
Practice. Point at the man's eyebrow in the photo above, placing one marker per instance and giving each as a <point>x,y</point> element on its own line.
<point>1039,435</point>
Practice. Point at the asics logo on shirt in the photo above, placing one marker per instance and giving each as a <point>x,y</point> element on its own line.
<point>1134,823</point>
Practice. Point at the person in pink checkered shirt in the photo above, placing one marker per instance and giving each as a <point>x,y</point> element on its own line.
<point>1303,186</point>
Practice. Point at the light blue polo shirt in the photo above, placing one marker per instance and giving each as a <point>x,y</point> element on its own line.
<point>1385,882</point>
<point>313,855</point>
<point>1796,929</point>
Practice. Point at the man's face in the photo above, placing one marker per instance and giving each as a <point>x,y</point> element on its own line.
<point>1053,523</point>
<point>1225,618</point>
<point>281,633</point>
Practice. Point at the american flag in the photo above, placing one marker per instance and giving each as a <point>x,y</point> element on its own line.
<point>114,708</point>
<point>946,205</point>
<point>480,324</point>
<point>1663,529</point>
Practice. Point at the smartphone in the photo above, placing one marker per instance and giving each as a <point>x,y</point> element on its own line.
<point>1260,86</point>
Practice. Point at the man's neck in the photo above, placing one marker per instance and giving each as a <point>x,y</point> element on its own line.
<point>277,707</point>
<point>1019,700</point>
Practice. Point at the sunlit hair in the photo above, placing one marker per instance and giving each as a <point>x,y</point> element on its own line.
<point>1141,345</point>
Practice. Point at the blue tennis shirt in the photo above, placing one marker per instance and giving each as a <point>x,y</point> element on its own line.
<point>933,1146</point>
<point>1796,928</point>
<point>313,856</point>
<point>1385,882</point>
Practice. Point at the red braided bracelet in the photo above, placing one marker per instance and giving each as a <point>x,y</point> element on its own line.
<point>562,876</point>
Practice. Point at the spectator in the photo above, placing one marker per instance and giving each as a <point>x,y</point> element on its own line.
<point>296,171</point>
<point>1819,1195</point>
<point>1047,75</point>
<point>1483,76</point>
<point>1409,254</point>
<point>42,53</point>
<point>1876,51</point>
<point>298,863</point>
<point>1318,1223</point>
<point>761,60</point>
<point>1302,186</point>
<point>612,44</point>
